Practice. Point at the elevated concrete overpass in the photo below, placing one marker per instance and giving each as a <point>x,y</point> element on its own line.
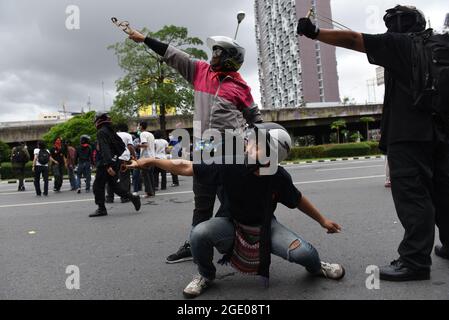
<point>299,121</point>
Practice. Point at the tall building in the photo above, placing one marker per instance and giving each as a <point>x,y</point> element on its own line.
<point>446,23</point>
<point>293,71</point>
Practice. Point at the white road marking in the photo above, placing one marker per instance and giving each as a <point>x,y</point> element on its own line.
<point>348,168</point>
<point>182,192</point>
<point>338,180</point>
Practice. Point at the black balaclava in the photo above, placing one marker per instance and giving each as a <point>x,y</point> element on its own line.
<point>404,19</point>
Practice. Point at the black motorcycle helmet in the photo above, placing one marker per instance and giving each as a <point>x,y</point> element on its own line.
<point>405,19</point>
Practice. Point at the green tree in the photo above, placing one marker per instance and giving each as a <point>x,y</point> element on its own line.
<point>149,80</point>
<point>337,125</point>
<point>73,129</point>
<point>5,152</point>
<point>367,121</point>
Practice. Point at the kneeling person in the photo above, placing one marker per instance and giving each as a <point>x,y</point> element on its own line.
<point>251,232</point>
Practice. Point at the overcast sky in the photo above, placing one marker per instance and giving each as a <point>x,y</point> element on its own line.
<point>43,64</point>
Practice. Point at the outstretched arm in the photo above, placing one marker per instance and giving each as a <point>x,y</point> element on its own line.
<point>159,47</point>
<point>309,209</point>
<point>175,58</point>
<point>177,167</point>
<point>340,38</point>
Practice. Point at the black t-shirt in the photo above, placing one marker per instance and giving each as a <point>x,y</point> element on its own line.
<point>246,194</point>
<point>400,120</point>
<point>57,155</point>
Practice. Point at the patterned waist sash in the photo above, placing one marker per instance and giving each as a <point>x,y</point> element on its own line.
<point>246,253</point>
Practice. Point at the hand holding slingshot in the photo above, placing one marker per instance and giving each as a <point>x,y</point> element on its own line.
<point>124,25</point>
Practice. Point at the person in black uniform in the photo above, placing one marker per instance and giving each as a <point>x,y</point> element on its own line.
<point>414,140</point>
<point>109,147</point>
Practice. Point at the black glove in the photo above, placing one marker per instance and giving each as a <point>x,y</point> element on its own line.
<point>307,28</point>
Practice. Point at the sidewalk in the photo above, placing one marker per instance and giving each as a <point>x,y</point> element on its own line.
<point>288,163</point>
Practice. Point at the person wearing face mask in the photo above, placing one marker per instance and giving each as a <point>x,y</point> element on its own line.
<point>223,101</point>
<point>414,138</point>
<point>250,232</point>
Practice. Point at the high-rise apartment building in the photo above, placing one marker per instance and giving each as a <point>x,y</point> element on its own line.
<point>293,70</point>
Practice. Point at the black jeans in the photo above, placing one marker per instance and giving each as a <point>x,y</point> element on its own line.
<point>148,180</point>
<point>124,180</point>
<point>420,187</point>
<point>101,178</point>
<point>38,171</point>
<point>175,179</point>
<point>19,171</point>
<point>58,173</point>
<point>204,197</point>
<point>156,178</point>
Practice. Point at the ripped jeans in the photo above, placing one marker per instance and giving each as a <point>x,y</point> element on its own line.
<point>220,233</point>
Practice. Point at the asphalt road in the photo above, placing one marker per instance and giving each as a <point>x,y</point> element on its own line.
<point>122,256</point>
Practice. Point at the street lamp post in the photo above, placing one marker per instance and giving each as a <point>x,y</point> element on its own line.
<point>240,16</point>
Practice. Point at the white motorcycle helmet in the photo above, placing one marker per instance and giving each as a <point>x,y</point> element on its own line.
<point>277,138</point>
<point>234,54</point>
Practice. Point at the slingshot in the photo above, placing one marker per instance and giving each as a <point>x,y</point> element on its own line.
<point>124,25</point>
<point>329,21</point>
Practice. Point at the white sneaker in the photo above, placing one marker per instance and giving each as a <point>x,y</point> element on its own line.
<point>332,271</point>
<point>196,287</point>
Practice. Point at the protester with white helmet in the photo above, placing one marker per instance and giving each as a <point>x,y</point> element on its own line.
<point>249,233</point>
<point>222,101</point>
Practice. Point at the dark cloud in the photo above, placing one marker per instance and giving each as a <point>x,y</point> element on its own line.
<point>44,64</point>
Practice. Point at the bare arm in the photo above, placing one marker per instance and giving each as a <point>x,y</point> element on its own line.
<point>34,161</point>
<point>177,167</point>
<point>341,38</point>
<point>309,209</point>
<point>132,151</point>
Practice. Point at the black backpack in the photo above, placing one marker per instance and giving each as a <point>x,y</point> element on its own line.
<point>19,155</point>
<point>43,157</point>
<point>85,153</point>
<point>118,146</point>
<point>430,83</point>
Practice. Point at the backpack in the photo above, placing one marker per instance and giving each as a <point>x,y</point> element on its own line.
<point>19,155</point>
<point>85,153</point>
<point>430,73</point>
<point>118,146</point>
<point>43,157</point>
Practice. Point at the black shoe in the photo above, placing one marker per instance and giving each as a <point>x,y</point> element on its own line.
<point>397,271</point>
<point>442,252</point>
<point>99,213</point>
<point>136,202</point>
<point>183,254</point>
<point>78,191</point>
<point>109,200</point>
<point>125,200</point>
